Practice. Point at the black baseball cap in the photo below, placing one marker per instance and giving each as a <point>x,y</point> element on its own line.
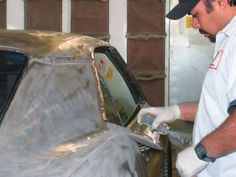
<point>184,7</point>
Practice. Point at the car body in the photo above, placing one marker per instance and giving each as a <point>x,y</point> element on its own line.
<point>68,106</point>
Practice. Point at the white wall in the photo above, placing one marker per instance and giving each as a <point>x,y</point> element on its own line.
<point>118,25</point>
<point>15,14</point>
<point>189,55</point>
<point>66,16</point>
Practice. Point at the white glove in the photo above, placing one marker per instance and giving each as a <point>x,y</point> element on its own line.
<point>188,164</point>
<point>161,114</point>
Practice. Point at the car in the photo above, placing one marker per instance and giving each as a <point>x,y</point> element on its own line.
<point>68,107</point>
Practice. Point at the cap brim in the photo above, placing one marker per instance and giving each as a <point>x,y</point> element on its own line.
<point>182,9</point>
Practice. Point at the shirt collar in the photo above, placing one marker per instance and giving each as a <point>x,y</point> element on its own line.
<point>229,28</point>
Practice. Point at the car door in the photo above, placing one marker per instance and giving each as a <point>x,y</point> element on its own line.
<point>123,99</point>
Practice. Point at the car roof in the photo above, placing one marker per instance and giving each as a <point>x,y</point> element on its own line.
<point>39,44</point>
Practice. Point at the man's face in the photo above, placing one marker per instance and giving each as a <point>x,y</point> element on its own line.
<point>204,21</point>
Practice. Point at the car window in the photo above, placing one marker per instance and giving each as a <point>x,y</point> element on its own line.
<point>117,95</point>
<point>12,65</point>
<point>113,113</point>
<point>54,103</point>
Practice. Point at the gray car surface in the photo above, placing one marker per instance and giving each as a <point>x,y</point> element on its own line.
<point>54,122</point>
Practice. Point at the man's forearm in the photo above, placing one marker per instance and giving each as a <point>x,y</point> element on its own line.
<point>222,141</point>
<point>188,111</point>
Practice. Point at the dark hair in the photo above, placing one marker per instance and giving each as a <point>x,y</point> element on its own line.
<point>232,2</point>
<point>209,6</point>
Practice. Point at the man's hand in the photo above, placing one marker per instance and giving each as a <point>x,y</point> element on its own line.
<point>188,164</point>
<point>161,114</point>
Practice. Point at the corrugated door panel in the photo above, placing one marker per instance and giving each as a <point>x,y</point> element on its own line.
<point>145,54</point>
<point>146,47</point>
<point>146,62</point>
<point>2,13</point>
<point>90,17</point>
<point>146,16</point>
<point>43,15</point>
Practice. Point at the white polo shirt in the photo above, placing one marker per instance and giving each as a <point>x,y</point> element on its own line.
<point>217,97</point>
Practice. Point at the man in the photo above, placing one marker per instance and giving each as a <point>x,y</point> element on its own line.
<point>213,152</point>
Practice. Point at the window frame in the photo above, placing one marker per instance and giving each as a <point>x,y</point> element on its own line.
<point>118,62</point>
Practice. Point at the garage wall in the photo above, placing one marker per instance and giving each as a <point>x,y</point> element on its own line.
<point>15,14</point>
<point>2,14</point>
<point>146,47</point>
<point>43,15</point>
<point>134,27</point>
<point>85,16</point>
<point>189,55</point>
<point>90,18</point>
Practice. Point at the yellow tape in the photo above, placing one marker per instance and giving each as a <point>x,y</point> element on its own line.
<point>109,74</point>
<point>188,22</point>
